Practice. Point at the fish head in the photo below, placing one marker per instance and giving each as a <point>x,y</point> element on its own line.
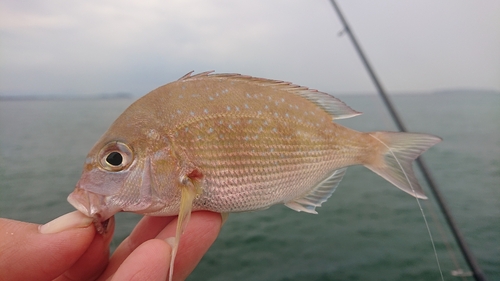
<point>119,173</point>
<point>104,174</point>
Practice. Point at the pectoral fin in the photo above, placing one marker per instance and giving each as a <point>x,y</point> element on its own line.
<point>224,217</point>
<point>190,188</point>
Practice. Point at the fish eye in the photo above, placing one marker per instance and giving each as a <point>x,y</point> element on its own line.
<point>115,156</point>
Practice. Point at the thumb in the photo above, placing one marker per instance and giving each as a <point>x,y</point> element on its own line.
<point>33,252</point>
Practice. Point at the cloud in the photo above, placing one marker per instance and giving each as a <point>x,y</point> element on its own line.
<point>85,47</point>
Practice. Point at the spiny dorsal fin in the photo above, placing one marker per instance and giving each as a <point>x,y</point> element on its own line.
<point>188,75</point>
<point>335,107</point>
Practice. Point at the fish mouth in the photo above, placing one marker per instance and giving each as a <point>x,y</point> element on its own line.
<point>93,205</point>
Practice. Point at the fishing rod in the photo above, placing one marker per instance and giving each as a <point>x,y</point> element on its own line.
<point>469,257</point>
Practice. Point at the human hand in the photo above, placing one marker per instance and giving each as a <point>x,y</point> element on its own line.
<point>68,248</point>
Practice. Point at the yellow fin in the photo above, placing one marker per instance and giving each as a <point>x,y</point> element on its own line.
<point>188,194</point>
<point>224,217</point>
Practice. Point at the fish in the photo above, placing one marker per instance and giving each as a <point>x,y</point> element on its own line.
<point>233,143</point>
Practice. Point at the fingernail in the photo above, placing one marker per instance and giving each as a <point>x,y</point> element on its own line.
<point>170,241</point>
<point>71,220</point>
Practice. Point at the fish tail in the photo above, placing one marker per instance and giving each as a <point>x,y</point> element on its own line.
<point>394,158</point>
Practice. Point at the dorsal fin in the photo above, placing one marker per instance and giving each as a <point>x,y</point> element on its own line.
<point>188,75</point>
<point>335,107</point>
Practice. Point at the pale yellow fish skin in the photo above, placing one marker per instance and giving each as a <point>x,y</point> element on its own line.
<point>256,145</point>
<point>249,143</point>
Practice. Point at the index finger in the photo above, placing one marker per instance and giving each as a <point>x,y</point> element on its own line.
<point>147,228</point>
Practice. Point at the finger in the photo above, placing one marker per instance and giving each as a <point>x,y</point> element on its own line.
<point>93,262</point>
<point>148,262</point>
<point>201,232</point>
<point>28,254</point>
<point>147,228</point>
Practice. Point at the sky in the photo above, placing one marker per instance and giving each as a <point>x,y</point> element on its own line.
<point>60,47</point>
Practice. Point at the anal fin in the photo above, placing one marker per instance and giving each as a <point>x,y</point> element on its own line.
<point>318,194</point>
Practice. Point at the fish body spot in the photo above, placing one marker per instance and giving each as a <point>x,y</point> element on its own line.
<point>153,134</point>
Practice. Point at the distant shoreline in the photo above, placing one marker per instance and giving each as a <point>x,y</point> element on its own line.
<point>335,94</point>
<point>69,97</point>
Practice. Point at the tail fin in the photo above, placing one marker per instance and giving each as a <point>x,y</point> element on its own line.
<point>395,162</point>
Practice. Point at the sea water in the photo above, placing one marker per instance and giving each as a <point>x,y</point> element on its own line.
<point>368,230</point>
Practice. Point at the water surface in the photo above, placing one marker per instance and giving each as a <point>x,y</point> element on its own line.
<point>368,230</point>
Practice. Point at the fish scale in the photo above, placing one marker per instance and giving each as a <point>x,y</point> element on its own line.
<point>233,143</point>
<point>271,147</point>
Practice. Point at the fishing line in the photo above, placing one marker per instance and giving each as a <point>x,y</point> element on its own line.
<point>419,205</point>
<point>467,254</point>
<point>459,272</point>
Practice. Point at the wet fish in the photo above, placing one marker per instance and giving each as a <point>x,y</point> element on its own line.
<point>232,143</point>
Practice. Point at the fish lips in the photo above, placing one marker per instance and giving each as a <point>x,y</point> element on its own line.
<point>92,205</point>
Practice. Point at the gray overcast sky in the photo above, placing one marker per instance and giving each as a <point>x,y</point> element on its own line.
<point>89,47</point>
